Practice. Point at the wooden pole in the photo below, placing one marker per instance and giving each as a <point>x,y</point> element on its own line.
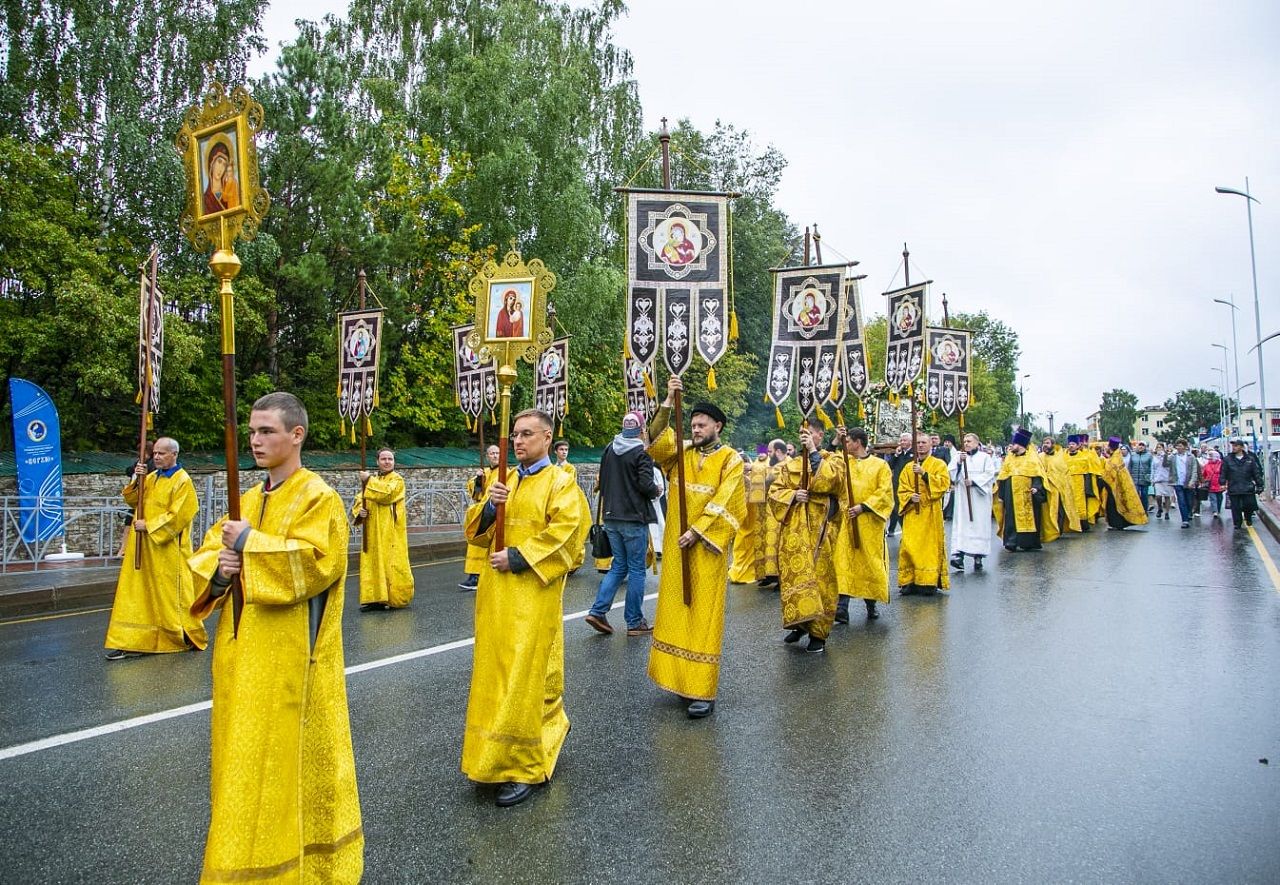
<point>915,455</point>
<point>147,309</point>
<point>506,377</point>
<point>808,239</point>
<point>848,487</point>
<point>226,265</point>
<point>364,439</point>
<point>817,243</point>
<point>677,407</point>
<point>964,465</point>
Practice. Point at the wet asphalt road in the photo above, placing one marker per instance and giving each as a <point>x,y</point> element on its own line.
<point>1095,712</point>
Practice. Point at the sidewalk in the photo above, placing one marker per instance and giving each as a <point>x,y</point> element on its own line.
<point>92,583</point>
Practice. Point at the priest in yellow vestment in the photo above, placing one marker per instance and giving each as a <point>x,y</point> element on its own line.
<point>1082,477</point>
<point>748,543</point>
<point>864,485</point>
<point>1060,502</point>
<point>684,657</point>
<point>922,555</point>
<point>1119,499</point>
<point>1019,502</point>
<point>283,778</point>
<point>803,501</point>
<point>516,722</point>
<point>777,455</point>
<point>385,578</point>
<point>478,488</point>
<point>151,612</point>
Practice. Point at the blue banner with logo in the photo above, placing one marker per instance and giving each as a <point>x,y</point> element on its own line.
<point>37,444</point>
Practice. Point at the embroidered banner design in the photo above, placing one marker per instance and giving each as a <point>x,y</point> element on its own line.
<point>853,373</point>
<point>150,341</point>
<point>904,352</point>
<point>947,384</point>
<point>475,381</point>
<point>551,381</point>
<point>638,398</point>
<point>359,350</point>
<point>807,329</point>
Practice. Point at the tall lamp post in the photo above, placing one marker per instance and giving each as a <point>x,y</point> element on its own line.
<point>1249,200</point>
<point>1226,378</point>
<point>1022,401</point>
<point>1235,344</point>
<point>1222,397</point>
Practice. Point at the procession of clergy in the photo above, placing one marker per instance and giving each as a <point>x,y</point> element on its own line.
<point>284,802</point>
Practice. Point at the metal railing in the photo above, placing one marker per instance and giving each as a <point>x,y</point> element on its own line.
<point>96,525</point>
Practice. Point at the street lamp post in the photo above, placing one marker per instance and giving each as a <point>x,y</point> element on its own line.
<point>1226,378</point>
<point>1222,397</point>
<point>1249,200</point>
<point>1022,402</point>
<point>1235,344</point>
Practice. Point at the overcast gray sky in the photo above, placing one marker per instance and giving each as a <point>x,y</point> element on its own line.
<point>1052,164</point>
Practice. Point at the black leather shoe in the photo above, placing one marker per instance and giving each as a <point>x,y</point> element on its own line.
<point>816,645</point>
<point>794,636</point>
<point>872,614</point>
<point>512,794</point>
<point>928,591</point>
<point>977,562</point>
<point>767,582</point>
<point>842,613</point>
<point>701,709</point>
<point>908,590</point>
<point>957,562</point>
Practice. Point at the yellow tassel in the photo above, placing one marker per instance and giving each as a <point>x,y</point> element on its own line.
<point>777,413</point>
<point>353,433</point>
<point>840,417</point>
<point>368,428</point>
<point>826,422</point>
<point>150,425</point>
<point>626,348</point>
<point>137,400</point>
<point>766,397</point>
<point>338,392</point>
<point>910,393</point>
<point>835,388</point>
<point>962,420</point>
<point>457,400</point>
<point>375,398</point>
<point>711,378</point>
<point>648,387</point>
<point>493,418</point>
<point>733,326</point>
<point>862,411</point>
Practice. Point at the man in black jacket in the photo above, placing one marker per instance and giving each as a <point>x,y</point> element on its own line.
<point>627,490</point>
<point>900,458</point>
<point>1242,475</point>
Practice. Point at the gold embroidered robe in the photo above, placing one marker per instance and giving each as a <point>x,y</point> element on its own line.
<point>748,543</point>
<point>922,554</point>
<point>1061,503</point>
<point>684,656</point>
<point>1084,488</point>
<point>863,571</point>
<point>772,529</point>
<point>283,780</point>
<point>1120,501</point>
<point>1020,517</point>
<point>806,546</point>
<point>516,722</point>
<point>151,611</point>
<point>384,569</point>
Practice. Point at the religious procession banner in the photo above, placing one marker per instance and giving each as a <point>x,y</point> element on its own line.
<point>853,372</point>
<point>551,381</point>
<point>678,279</point>
<point>359,352</point>
<point>639,397</point>
<point>904,356</point>
<point>947,384</point>
<point>807,326</point>
<point>150,340</point>
<point>475,380</point>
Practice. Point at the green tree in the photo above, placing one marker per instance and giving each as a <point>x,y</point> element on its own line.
<point>1118,411</point>
<point>1190,412</point>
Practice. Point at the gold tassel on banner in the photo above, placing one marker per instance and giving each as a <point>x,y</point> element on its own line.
<point>962,420</point>
<point>457,398</point>
<point>137,400</point>
<point>353,433</point>
<point>368,427</point>
<point>626,348</point>
<point>835,388</point>
<point>840,416</point>
<point>777,412</point>
<point>910,392</point>
<point>826,422</point>
<point>375,398</point>
<point>648,387</point>
<point>338,392</point>
<point>733,325</point>
<point>493,417</point>
<point>150,424</point>
<point>711,378</point>
<point>862,411</point>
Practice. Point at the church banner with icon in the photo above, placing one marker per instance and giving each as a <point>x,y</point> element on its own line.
<point>947,384</point>
<point>904,351</point>
<point>854,372</point>
<point>150,342</point>
<point>359,350</point>
<point>475,381</point>
<point>805,351</point>
<point>551,381</point>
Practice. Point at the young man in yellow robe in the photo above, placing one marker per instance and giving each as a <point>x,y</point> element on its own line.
<point>151,612</point>
<point>1119,499</point>
<point>283,777</point>
<point>1019,502</point>
<point>385,578</point>
<point>748,543</point>
<point>922,555</point>
<point>777,456</point>
<point>478,488</point>
<point>1061,503</point>
<point>862,568</point>
<point>1082,478</point>
<point>516,723</point>
<point>807,514</point>
<point>684,657</point>
<point>562,458</point>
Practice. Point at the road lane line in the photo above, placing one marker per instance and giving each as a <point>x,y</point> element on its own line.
<point>85,734</point>
<point>87,611</point>
<point>1266,557</point>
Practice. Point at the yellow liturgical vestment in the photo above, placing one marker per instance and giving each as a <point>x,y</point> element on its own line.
<point>1060,504</point>
<point>863,571</point>
<point>685,654</point>
<point>283,779</point>
<point>1084,489</point>
<point>479,491</point>
<point>384,568</point>
<point>1019,504</point>
<point>806,546</point>
<point>516,722</point>
<point>1120,501</point>
<point>748,543</point>
<point>151,612</point>
<point>922,554</point>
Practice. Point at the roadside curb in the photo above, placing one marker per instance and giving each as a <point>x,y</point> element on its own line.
<point>1270,520</point>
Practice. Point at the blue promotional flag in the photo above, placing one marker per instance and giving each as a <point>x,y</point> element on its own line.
<point>37,443</point>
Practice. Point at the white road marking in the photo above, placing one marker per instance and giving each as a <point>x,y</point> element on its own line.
<point>72,737</point>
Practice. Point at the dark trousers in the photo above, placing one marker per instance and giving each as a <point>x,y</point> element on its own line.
<point>1243,507</point>
<point>1186,500</point>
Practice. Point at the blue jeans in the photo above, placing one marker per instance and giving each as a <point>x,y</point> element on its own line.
<point>1186,498</point>
<point>630,543</point>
